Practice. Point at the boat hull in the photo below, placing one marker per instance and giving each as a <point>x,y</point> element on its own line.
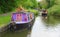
<point>21,26</point>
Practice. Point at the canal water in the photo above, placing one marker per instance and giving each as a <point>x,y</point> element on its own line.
<point>43,27</point>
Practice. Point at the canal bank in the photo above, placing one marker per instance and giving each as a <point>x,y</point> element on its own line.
<point>3,28</point>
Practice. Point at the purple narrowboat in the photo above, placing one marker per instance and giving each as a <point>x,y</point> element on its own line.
<point>21,20</point>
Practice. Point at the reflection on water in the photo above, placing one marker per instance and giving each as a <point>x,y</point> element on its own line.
<point>52,21</point>
<point>14,34</point>
<point>43,27</point>
<point>40,29</point>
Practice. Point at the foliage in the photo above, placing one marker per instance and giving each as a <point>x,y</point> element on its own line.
<point>9,5</point>
<point>42,4</point>
<point>47,3</point>
<point>33,11</point>
<point>50,3</point>
<point>55,10</point>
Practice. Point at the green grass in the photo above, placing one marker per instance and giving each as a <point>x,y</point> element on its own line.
<point>4,20</point>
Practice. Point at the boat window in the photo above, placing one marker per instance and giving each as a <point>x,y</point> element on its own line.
<point>20,17</point>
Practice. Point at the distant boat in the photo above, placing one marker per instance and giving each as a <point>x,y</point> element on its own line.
<point>44,12</point>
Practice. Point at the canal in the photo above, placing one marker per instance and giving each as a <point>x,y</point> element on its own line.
<point>43,27</point>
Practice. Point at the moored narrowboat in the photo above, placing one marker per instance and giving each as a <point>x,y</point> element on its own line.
<point>21,20</point>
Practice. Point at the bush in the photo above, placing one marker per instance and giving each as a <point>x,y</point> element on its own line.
<point>34,11</point>
<point>55,10</point>
<point>7,5</point>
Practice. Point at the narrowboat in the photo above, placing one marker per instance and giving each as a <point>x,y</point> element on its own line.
<point>44,13</point>
<point>21,20</point>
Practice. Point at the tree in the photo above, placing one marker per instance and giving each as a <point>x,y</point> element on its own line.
<point>50,3</point>
<point>47,3</point>
<point>28,3</point>
<point>7,5</point>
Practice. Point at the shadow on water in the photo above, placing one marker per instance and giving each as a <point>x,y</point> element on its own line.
<point>51,21</point>
<point>14,34</point>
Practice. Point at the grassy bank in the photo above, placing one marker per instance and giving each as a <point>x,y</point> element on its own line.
<point>4,19</point>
